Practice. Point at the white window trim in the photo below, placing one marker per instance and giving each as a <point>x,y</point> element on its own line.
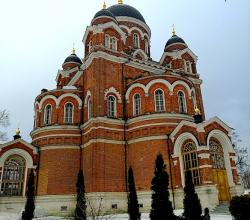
<point>189,65</point>
<point>108,109</point>
<point>185,101</point>
<point>73,108</point>
<point>138,38</point>
<point>90,46</point>
<point>107,44</point>
<point>44,115</point>
<point>163,95</point>
<point>134,110</point>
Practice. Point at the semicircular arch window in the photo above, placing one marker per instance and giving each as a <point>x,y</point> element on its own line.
<point>13,176</point>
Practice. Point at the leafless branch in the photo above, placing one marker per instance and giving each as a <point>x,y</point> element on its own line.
<point>4,122</point>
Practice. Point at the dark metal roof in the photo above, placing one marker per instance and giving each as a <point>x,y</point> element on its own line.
<point>104,12</point>
<point>73,58</point>
<point>174,39</point>
<point>126,10</point>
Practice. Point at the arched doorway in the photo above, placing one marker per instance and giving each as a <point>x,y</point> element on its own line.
<point>219,170</point>
<point>13,176</point>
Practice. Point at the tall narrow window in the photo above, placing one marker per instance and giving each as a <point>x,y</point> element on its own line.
<point>146,47</point>
<point>13,176</point>
<point>47,115</point>
<point>182,102</point>
<point>89,109</point>
<point>68,113</point>
<point>188,67</point>
<point>107,41</point>
<point>190,161</point>
<point>159,101</point>
<point>137,104</point>
<point>111,106</point>
<point>193,100</point>
<point>113,43</point>
<point>136,40</point>
<point>35,119</point>
<point>216,152</point>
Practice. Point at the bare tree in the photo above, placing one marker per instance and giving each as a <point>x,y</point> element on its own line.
<point>4,122</point>
<point>96,211</point>
<point>241,153</point>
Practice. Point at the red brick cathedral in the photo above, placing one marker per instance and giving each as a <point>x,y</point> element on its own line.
<point>116,108</point>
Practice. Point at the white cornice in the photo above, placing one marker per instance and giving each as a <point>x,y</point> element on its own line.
<point>160,116</point>
<point>103,120</point>
<point>219,121</point>
<point>54,128</point>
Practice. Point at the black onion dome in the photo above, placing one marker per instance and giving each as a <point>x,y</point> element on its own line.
<point>174,39</point>
<point>126,10</point>
<point>73,58</point>
<point>104,12</point>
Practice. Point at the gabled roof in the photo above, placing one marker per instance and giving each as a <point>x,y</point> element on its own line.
<point>35,149</point>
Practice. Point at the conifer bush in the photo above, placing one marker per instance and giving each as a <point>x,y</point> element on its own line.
<point>191,202</point>
<point>28,212</point>
<point>161,207</point>
<point>240,207</point>
<point>133,206</point>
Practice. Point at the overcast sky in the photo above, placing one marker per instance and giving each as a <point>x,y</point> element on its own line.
<point>37,35</point>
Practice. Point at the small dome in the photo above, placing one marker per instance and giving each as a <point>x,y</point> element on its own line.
<point>173,40</point>
<point>127,11</point>
<point>104,12</point>
<point>73,58</point>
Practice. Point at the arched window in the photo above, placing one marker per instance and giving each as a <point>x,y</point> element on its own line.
<point>137,104</point>
<point>47,115</point>
<point>89,109</point>
<point>136,40</point>
<point>182,102</point>
<point>68,113</point>
<point>193,100</point>
<point>107,41</point>
<point>35,119</point>
<point>113,43</point>
<point>159,101</point>
<point>216,152</point>
<point>146,47</point>
<point>190,161</point>
<point>13,176</point>
<point>111,106</point>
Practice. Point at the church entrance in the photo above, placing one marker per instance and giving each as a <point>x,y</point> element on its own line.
<point>219,170</point>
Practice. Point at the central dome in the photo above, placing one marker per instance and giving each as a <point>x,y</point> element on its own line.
<point>127,11</point>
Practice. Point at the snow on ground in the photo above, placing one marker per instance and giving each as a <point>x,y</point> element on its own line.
<point>145,216</point>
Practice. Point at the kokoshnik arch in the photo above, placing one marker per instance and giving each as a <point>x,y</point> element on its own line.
<point>115,108</point>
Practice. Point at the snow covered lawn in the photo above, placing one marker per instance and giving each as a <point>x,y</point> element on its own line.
<point>145,216</point>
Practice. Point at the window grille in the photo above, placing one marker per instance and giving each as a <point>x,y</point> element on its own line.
<point>216,152</point>
<point>182,102</point>
<point>13,176</point>
<point>47,115</point>
<point>159,101</point>
<point>111,107</point>
<point>190,161</point>
<point>68,114</point>
<point>137,104</point>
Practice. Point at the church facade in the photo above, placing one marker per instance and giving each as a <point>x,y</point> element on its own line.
<point>118,108</point>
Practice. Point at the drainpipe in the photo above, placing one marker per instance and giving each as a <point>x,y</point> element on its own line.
<point>125,122</point>
<point>170,169</point>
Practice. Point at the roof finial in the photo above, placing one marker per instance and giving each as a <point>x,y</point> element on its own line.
<point>173,31</point>
<point>197,110</point>
<point>73,50</point>
<point>120,2</point>
<point>18,131</point>
<point>104,5</point>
